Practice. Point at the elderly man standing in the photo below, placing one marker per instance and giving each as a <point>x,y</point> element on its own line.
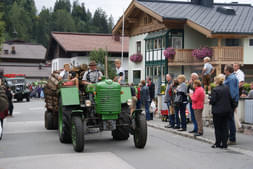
<point>190,90</point>
<point>92,75</point>
<point>207,72</point>
<point>167,100</point>
<point>233,84</point>
<point>240,76</point>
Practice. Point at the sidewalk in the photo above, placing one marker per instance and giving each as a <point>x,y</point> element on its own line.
<point>244,141</point>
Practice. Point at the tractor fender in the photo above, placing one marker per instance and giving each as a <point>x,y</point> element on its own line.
<point>69,96</point>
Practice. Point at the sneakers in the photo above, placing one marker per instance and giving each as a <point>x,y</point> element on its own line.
<point>193,131</point>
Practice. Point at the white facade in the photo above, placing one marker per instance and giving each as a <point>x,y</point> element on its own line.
<point>79,60</point>
<point>58,63</point>
<point>247,51</point>
<point>136,67</point>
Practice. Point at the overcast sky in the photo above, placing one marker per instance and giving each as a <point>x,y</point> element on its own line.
<point>114,7</point>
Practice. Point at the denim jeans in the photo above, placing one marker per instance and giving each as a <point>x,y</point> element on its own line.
<point>232,128</point>
<point>180,109</point>
<point>138,104</point>
<point>195,125</point>
<point>147,104</point>
<point>171,116</point>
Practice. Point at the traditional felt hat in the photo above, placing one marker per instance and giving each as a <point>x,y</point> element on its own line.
<point>93,63</point>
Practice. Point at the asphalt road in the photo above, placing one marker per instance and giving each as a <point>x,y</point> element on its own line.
<point>28,145</point>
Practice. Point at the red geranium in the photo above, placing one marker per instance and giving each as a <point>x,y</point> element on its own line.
<point>136,57</point>
<point>169,53</point>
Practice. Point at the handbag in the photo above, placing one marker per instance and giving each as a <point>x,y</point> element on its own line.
<point>178,99</point>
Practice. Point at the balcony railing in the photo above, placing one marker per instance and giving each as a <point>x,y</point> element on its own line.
<point>223,55</point>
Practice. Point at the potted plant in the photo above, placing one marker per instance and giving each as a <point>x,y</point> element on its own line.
<point>169,53</point>
<point>136,58</point>
<point>201,53</point>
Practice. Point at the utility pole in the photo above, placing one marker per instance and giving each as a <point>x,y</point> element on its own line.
<point>106,66</point>
<point>123,34</point>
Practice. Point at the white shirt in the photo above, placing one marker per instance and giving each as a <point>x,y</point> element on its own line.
<point>120,70</point>
<point>240,75</point>
<point>64,74</point>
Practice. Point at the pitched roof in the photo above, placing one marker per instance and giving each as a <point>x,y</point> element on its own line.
<point>24,51</point>
<point>81,42</point>
<point>28,71</point>
<point>209,18</point>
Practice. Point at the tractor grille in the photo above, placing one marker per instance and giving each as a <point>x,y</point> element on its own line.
<point>108,100</point>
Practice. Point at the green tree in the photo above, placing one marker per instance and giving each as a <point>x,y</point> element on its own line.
<point>63,21</point>
<point>43,27</point>
<point>99,57</point>
<point>62,4</point>
<point>100,21</point>
<point>20,22</point>
<point>110,24</point>
<point>1,29</point>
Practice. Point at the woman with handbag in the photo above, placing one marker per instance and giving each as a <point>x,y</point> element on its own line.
<point>180,103</point>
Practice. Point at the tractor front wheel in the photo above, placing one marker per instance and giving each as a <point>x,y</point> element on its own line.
<point>140,132</point>
<point>122,130</point>
<point>77,133</point>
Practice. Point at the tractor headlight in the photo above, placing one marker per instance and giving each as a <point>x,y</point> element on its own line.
<point>129,102</point>
<point>87,103</point>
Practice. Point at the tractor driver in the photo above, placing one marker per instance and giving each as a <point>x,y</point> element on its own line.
<point>92,75</point>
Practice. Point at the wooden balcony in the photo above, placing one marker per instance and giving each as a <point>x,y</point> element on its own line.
<point>222,55</point>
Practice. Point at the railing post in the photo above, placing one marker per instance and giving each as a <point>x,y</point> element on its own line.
<point>218,69</point>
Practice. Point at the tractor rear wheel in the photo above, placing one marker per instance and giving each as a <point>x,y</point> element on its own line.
<point>140,132</point>
<point>122,130</point>
<point>64,124</point>
<point>77,133</point>
<point>48,118</point>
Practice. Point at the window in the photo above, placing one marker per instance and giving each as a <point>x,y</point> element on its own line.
<point>232,42</point>
<point>147,20</point>
<point>138,47</point>
<point>155,44</point>
<point>250,42</point>
<point>136,76</point>
<point>159,43</point>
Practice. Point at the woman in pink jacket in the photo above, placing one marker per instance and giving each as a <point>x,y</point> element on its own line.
<point>198,98</point>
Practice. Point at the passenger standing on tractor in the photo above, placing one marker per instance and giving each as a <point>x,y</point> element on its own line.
<point>92,75</point>
<point>145,98</point>
<point>64,75</point>
<point>120,78</point>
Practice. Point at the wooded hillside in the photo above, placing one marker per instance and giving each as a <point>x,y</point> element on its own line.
<point>22,21</point>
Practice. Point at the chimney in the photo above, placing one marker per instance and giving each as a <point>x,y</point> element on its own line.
<point>206,3</point>
<point>116,37</point>
<point>13,51</point>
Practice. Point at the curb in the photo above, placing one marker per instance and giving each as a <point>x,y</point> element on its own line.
<point>202,139</point>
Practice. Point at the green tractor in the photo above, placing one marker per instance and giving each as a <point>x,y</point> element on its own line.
<point>104,105</point>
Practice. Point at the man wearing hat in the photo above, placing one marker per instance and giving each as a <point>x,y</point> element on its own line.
<point>92,75</point>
